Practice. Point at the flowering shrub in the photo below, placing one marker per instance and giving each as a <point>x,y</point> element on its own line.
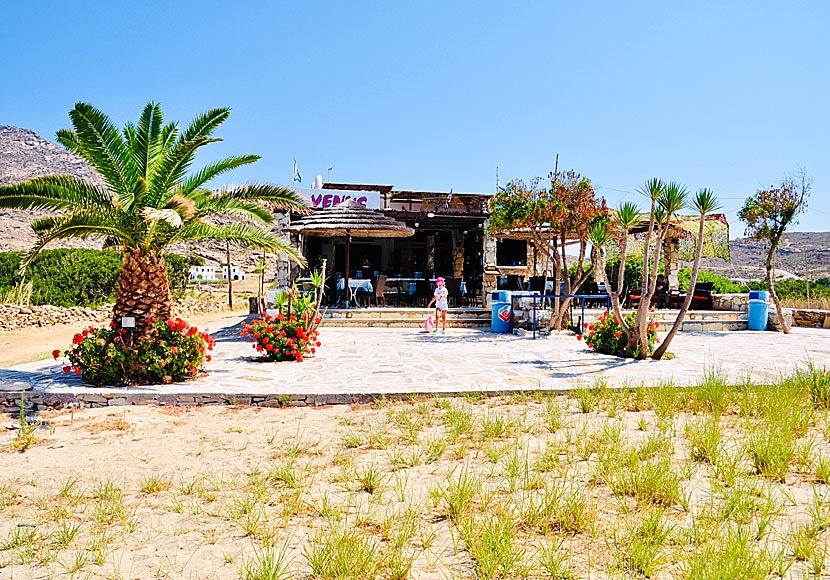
<point>173,351</point>
<point>282,337</point>
<point>608,337</point>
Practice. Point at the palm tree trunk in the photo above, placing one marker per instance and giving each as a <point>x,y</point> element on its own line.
<point>143,291</point>
<point>687,302</point>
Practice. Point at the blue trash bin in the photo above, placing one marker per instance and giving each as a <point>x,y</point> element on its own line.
<point>758,313</point>
<point>502,313</point>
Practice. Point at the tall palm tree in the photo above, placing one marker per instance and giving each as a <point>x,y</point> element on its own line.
<point>150,201</point>
<point>706,203</point>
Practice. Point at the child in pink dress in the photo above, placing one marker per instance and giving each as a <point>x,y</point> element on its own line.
<point>440,298</point>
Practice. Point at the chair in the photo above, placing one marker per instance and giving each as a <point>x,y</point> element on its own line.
<point>423,293</point>
<point>514,283</point>
<point>380,288</point>
<point>702,300</point>
<point>453,286</point>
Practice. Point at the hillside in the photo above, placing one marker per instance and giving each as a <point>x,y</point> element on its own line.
<point>800,253</point>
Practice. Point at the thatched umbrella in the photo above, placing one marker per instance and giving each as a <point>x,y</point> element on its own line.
<point>348,219</point>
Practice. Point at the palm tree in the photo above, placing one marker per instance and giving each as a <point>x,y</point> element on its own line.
<point>150,201</point>
<point>706,203</point>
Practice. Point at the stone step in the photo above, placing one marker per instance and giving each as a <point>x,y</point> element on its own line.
<point>403,323</point>
<point>402,313</point>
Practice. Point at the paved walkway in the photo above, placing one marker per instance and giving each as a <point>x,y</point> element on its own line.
<point>402,360</point>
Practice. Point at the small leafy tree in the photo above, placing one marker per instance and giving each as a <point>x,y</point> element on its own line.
<point>767,215</point>
<point>554,216</point>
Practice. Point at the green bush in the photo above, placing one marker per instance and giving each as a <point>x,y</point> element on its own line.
<point>79,277</point>
<point>794,289</point>
<point>173,351</point>
<point>722,285</point>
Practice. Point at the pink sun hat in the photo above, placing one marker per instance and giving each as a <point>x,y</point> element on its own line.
<point>439,280</point>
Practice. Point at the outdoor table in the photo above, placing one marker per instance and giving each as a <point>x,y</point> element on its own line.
<point>356,284</point>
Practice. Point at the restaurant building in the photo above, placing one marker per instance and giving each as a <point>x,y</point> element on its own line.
<point>450,239</point>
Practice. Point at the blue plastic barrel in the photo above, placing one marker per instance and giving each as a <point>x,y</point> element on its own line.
<point>758,313</point>
<point>759,295</point>
<point>502,314</point>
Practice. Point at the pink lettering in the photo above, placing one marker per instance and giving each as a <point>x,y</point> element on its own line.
<point>327,200</point>
<point>316,199</point>
<point>362,200</point>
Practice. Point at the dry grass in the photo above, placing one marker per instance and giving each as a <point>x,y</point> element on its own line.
<point>716,481</point>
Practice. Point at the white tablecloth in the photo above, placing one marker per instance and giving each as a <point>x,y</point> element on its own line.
<point>356,284</point>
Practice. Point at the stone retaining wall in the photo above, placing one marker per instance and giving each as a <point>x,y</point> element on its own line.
<point>811,317</point>
<point>732,302</point>
<point>33,402</point>
<point>13,316</point>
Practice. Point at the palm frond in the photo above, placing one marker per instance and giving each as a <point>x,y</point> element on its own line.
<point>706,202</point>
<point>100,144</point>
<point>54,192</point>
<point>205,123</point>
<point>628,216</point>
<point>75,225</point>
<point>274,196</point>
<point>172,168</point>
<point>215,169</point>
<point>673,198</point>
<point>236,207</point>
<point>148,140</point>
<point>653,188</point>
<point>170,216</point>
<point>242,234</point>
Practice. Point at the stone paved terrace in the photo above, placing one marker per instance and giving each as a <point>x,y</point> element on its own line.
<point>357,364</point>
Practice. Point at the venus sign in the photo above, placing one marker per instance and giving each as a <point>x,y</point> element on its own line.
<point>323,198</point>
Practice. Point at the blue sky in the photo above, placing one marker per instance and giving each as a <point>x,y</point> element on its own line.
<point>435,95</point>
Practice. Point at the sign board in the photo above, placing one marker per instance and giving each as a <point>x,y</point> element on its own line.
<point>323,198</point>
<point>491,270</point>
<point>128,322</point>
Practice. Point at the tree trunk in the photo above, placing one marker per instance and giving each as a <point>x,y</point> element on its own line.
<point>230,276</point>
<point>143,291</point>
<point>771,285</point>
<point>687,302</point>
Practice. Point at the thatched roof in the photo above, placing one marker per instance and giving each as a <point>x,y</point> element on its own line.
<point>350,217</point>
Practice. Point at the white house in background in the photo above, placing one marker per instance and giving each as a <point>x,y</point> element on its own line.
<point>204,273</point>
<point>236,272</point>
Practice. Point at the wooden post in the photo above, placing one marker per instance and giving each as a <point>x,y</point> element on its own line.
<point>346,288</point>
<point>230,276</point>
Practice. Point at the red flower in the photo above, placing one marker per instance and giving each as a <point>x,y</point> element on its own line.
<point>77,371</point>
<point>579,337</point>
<point>113,324</point>
<point>67,369</point>
<point>617,334</point>
<point>256,335</point>
<point>56,353</point>
<point>207,358</point>
<point>590,345</point>
<point>265,340</point>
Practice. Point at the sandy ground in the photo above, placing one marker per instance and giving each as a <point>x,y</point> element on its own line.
<point>32,344</point>
<point>155,492</point>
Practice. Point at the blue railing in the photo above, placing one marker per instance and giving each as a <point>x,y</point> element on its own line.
<point>582,298</point>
